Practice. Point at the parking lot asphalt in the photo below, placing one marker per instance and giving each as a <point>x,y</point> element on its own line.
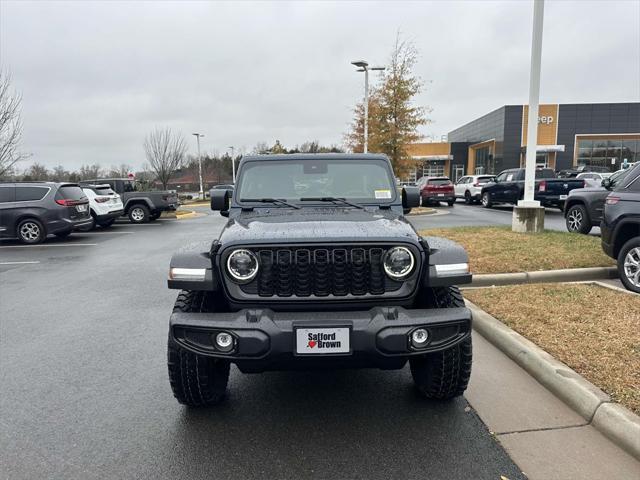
<point>474,215</point>
<point>85,392</point>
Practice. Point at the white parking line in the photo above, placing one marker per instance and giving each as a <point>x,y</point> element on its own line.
<point>17,263</point>
<point>51,245</point>
<point>137,224</point>
<point>105,233</point>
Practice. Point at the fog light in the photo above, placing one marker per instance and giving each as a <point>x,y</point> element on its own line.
<point>419,338</point>
<point>224,341</point>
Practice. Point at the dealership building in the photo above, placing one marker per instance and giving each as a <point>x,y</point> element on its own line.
<point>569,135</point>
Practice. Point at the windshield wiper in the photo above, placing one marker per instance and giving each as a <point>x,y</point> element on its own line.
<point>331,199</point>
<point>277,201</point>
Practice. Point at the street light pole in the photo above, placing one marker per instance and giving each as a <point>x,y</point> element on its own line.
<point>198,135</point>
<point>528,215</point>
<point>233,165</point>
<point>364,67</point>
<point>534,99</point>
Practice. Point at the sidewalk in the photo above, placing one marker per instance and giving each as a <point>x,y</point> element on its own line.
<point>543,436</point>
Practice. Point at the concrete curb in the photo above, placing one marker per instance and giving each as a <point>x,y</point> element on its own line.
<point>566,275</point>
<point>616,422</point>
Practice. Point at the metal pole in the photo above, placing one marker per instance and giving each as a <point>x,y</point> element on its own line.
<point>366,109</point>
<point>534,98</point>
<point>198,135</point>
<point>233,166</point>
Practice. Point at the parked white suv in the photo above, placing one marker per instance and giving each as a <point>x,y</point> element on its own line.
<point>104,203</point>
<point>469,187</point>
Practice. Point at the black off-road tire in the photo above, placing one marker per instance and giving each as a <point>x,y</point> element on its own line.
<point>196,380</point>
<point>577,219</point>
<point>444,375</point>
<point>139,214</point>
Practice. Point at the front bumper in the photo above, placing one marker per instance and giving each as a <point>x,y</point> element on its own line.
<point>265,340</point>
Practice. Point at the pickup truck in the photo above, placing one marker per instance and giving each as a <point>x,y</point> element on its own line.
<point>140,206</point>
<point>508,187</point>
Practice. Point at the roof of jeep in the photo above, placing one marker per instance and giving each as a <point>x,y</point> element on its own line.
<point>316,156</point>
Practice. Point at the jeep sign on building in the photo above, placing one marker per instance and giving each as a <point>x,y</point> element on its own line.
<point>569,135</point>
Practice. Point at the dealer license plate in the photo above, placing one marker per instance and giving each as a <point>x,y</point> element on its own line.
<point>81,208</point>
<point>563,197</point>
<point>318,341</point>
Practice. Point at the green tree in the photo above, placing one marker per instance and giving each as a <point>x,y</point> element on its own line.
<point>394,119</point>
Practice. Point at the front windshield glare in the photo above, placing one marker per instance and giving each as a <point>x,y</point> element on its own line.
<point>358,180</point>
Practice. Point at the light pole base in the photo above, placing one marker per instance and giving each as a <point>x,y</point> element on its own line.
<point>528,219</point>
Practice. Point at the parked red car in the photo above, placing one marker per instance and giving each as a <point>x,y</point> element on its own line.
<point>436,190</point>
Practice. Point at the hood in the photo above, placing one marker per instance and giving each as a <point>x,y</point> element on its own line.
<point>327,224</point>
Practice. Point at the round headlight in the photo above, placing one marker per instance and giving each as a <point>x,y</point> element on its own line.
<point>242,265</point>
<point>398,263</point>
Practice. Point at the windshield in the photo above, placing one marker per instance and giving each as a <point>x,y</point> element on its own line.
<point>359,180</point>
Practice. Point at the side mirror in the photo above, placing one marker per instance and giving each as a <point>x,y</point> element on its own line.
<point>410,198</point>
<point>606,183</point>
<point>220,201</point>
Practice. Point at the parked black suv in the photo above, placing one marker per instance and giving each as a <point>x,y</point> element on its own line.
<point>584,206</point>
<point>141,206</point>
<point>318,268</point>
<point>621,228</point>
<point>30,211</point>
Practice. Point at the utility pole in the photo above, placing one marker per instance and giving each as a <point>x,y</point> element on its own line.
<point>198,135</point>
<point>528,215</point>
<point>364,67</point>
<point>233,165</point>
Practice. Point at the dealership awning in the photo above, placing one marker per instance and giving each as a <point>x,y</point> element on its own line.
<point>546,148</point>
<point>432,157</point>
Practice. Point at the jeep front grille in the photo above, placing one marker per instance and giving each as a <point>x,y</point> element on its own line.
<point>302,272</point>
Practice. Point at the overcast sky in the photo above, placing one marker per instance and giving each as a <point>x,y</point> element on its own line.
<point>97,76</point>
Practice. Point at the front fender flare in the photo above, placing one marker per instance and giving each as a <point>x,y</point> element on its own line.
<point>443,255</point>
<point>192,268</point>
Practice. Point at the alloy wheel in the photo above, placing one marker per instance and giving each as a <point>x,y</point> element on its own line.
<point>575,220</point>
<point>632,266</point>
<point>137,214</point>
<point>30,231</point>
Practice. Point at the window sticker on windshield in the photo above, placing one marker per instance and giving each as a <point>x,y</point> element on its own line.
<point>382,194</point>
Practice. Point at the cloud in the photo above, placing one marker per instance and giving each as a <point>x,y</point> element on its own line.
<point>97,76</point>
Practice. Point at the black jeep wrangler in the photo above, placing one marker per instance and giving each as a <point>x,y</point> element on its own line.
<point>318,268</point>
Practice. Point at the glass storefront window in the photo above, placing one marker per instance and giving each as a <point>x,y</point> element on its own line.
<point>630,150</point>
<point>609,153</point>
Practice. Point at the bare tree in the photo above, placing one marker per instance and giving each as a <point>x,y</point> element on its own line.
<point>37,172</point>
<point>165,152</point>
<point>90,172</point>
<point>59,174</point>
<point>10,125</point>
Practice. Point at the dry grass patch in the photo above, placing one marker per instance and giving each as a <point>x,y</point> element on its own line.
<point>592,329</point>
<point>499,250</point>
<point>422,211</point>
